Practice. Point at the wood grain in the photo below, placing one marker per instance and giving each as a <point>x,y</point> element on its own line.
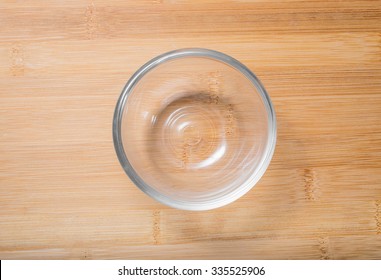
<point>63,194</point>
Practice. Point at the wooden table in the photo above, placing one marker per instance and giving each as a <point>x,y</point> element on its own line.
<point>63,194</point>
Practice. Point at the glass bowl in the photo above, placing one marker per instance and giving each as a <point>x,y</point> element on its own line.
<point>194,129</point>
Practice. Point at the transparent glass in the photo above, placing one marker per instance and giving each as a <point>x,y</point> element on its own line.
<point>194,129</point>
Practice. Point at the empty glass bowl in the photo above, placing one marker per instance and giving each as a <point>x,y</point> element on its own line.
<point>194,129</point>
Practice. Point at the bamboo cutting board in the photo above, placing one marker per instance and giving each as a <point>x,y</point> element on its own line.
<point>63,194</point>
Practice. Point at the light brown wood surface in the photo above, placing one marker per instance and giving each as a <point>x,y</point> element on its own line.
<point>63,194</point>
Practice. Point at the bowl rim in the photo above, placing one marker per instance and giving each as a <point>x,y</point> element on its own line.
<point>140,183</point>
